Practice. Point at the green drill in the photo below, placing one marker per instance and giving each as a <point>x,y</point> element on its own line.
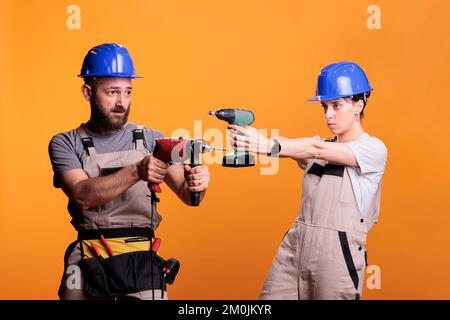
<point>239,117</point>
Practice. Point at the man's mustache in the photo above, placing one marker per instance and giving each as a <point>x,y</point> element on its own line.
<point>118,109</point>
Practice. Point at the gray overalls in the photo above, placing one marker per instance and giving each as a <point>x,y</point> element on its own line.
<point>131,209</point>
<point>323,255</point>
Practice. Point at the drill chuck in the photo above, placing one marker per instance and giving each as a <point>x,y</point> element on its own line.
<point>234,116</point>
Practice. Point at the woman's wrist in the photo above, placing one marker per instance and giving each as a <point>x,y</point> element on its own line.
<point>274,148</point>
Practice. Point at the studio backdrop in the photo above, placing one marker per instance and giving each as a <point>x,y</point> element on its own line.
<point>200,55</point>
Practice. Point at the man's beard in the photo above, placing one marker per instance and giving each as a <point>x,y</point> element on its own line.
<point>104,120</point>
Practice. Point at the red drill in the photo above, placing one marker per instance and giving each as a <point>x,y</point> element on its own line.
<point>178,150</point>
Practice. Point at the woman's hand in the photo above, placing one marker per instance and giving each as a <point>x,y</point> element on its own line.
<point>249,139</point>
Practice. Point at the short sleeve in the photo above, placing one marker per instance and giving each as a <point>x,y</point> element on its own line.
<point>62,155</point>
<point>370,153</point>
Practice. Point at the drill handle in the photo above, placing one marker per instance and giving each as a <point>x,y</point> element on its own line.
<point>195,196</point>
<point>196,149</point>
<point>154,187</point>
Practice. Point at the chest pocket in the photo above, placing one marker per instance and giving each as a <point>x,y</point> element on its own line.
<point>109,171</point>
<point>316,171</point>
<point>123,197</point>
<point>311,179</point>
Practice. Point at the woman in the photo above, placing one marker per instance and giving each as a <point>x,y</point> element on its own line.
<point>323,255</point>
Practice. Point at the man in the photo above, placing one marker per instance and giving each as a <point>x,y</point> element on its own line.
<point>104,167</point>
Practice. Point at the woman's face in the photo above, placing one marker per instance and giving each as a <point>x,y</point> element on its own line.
<point>341,114</point>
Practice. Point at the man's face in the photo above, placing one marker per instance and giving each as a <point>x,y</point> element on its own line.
<point>340,114</point>
<point>110,102</point>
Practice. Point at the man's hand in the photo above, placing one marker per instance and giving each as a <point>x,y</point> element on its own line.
<point>152,169</point>
<point>197,178</point>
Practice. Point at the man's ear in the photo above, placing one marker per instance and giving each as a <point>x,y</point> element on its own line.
<point>87,91</point>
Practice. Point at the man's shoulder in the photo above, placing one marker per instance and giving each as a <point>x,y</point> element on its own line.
<point>66,138</point>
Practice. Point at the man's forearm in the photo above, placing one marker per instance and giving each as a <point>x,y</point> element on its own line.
<point>97,191</point>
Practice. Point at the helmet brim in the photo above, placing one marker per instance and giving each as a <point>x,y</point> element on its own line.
<point>328,98</point>
<point>109,75</point>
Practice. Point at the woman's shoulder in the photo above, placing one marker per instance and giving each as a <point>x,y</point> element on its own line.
<point>373,142</point>
<point>370,153</point>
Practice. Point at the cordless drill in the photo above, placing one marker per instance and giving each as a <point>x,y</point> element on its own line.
<point>239,117</point>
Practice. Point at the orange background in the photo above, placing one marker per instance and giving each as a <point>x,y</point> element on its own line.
<point>199,55</point>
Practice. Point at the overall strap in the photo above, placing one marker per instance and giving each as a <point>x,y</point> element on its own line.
<point>348,258</point>
<point>331,139</point>
<point>138,138</point>
<point>87,142</point>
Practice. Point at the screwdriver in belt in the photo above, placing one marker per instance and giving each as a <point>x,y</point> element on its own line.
<point>95,250</point>
<point>106,245</point>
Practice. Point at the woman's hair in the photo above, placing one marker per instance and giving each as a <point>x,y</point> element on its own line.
<point>363,97</point>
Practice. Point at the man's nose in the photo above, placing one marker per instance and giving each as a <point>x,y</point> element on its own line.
<point>120,99</point>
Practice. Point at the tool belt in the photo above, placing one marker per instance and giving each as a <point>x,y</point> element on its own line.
<point>120,261</point>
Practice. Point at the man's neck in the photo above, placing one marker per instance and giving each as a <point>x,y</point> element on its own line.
<point>94,127</point>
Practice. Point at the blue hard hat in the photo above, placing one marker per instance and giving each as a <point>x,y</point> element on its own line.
<point>342,79</point>
<point>108,60</point>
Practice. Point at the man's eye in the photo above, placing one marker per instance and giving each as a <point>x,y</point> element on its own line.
<point>112,92</point>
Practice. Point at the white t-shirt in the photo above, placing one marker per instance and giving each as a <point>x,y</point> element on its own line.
<point>371,155</point>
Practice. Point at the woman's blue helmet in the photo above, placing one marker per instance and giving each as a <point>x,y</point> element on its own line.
<point>342,79</point>
<point>108,60</point>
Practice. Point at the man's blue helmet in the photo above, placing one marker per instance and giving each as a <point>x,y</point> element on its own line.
<point>108,60</point>
<point>342,79</point>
